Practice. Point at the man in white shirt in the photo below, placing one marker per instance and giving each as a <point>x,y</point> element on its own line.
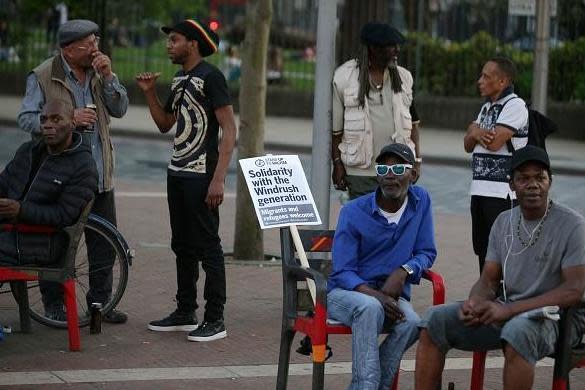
<point>500,128</point>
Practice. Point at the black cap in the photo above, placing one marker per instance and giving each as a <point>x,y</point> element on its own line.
<point>74,30</point>
<point>193,30</point>
<point>400,150</point>
<point>380,34</point>
<point>529,153</point>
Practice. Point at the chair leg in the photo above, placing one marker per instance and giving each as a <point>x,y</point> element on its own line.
<point>23,305</point>
<point>478,370</point>
<point>286,340</point>
<point>560,384</point>
<point>318,376</point>
<point>72,318</point>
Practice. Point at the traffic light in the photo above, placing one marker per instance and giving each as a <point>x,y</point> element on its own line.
<point>214,25</point>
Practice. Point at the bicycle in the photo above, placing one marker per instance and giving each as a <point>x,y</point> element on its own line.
<point>122,259</point>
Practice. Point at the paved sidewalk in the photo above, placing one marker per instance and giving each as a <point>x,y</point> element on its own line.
<point>444,146</point>
<point>130,357</point>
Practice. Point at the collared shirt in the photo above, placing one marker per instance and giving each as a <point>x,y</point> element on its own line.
<point>490,168</point>
<point>115,98</point>
<point>367,249</point>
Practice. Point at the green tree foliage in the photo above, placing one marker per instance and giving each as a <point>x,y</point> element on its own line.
<point>452,68</point>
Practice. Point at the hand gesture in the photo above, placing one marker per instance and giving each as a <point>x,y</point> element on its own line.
<point>102,65</point>
<point>493,312</point>
<point>215,194</point>
<point>487,138</point>
<point>84,117</point>
<point>394,284</point>
<point>338,177</point>
<point>391,309</point>
<point>147,80</point>
<point>467,313</point>
<point>9,208</point>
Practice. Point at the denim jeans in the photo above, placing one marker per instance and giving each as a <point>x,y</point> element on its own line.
<point>373,367</point>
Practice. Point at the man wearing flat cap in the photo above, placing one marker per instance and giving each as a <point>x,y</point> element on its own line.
<point>82,75</point>
<point>372,107</point>
<point>383,243</point>
<point>535,264</point>
<point>199,104</point>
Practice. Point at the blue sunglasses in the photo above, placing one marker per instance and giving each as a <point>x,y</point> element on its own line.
<point>397,169</point>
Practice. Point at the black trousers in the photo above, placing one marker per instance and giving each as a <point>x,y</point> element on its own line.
<point>195,237</point>
<point>484,211</point>
<point>100,255</point>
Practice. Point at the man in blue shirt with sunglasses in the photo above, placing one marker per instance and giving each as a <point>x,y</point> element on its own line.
<point>383,243</point>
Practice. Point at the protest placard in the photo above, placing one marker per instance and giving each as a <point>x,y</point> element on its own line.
<point>280,191</point>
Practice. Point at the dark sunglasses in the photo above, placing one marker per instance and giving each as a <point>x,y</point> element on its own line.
<point>397,169</point>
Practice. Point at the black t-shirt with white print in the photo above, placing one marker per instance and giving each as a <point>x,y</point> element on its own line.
<point>193,99</point>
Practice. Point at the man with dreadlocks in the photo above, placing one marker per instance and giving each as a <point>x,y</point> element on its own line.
<point>372,107</point>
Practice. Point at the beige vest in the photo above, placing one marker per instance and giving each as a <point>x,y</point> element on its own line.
<point>357,142</point>
<point>51,77</point>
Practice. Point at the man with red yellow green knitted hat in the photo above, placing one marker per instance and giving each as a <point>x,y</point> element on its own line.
<point>199,104</point>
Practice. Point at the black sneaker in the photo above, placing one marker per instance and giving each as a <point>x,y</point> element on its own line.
<point>115,317</point>
<point>177,321</point>
<point>208,331</point>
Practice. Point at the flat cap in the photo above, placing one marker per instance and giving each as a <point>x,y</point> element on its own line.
<point>195,31</point>
<point>76,29</point>
<point>527,154</point>
<point>400,150</point>
<point>380,34</point>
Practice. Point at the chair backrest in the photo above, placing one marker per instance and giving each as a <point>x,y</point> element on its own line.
<point>74,233</point>
<point>317,244</point>
<point>66,264</point>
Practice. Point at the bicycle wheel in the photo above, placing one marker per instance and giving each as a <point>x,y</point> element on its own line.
<point>106,247</point>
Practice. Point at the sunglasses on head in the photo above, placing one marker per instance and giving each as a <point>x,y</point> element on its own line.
<point>397,169</point>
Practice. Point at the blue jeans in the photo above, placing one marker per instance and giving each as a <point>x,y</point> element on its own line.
<point>373,366</point>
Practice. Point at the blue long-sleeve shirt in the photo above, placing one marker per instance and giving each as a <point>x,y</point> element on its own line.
<point>367,249</point>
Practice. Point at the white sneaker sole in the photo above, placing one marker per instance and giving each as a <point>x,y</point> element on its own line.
<point>217,336</point>
<point>179,328</point>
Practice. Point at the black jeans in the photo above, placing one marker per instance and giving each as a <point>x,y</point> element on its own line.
<point>484,211</point>
<point>100,255</point>
<point>195,237</point>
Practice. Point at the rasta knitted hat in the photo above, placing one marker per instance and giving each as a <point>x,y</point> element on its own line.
<point>195,31</point>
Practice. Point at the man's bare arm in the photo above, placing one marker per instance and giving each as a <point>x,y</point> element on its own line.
<point>225,117</point>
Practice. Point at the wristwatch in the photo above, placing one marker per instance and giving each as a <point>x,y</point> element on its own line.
<point>407,268</point>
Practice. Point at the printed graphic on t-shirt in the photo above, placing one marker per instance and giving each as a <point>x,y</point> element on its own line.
<point>490,167</point>
<point>189,154</point>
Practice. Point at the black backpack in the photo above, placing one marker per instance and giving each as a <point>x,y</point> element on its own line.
<point>539,127</point>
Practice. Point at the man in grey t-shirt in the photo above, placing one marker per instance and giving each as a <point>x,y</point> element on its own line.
<point>537,250</point>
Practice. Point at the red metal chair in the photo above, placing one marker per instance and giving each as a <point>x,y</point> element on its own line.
<point>63,272</point>
<point>316,326</point>
<point>566,357</point>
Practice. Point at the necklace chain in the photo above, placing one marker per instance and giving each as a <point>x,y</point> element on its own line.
<point>533,239</point>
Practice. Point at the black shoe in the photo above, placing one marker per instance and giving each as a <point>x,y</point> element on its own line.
<point>56,313</point>
<point>176,321</point>
<point>115,317</point>
<point>208,331</point>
